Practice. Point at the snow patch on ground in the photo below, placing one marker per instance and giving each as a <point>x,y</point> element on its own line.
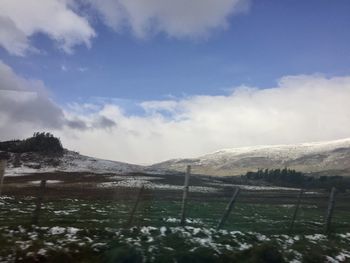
<point>188,220</point>
<point>138,182</point>
<point>47,181</point>
<point>56,230</point>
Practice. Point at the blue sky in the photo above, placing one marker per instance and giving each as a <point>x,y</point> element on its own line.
<point>156,64</point>
<point>270,40</point>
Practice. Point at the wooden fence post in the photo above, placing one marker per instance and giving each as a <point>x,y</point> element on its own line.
<point>330,209</point>
<point>38,202</point>
<point>296,210</point>
<point>133,211</point>
<point>228,208</point>
<point>185,195</point>
<point>3,164</point>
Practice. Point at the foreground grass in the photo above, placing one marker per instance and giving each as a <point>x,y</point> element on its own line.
<point>166,244</point>
<point>94,231</point>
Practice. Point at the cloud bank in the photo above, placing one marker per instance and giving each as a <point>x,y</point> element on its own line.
<point>300,108</point>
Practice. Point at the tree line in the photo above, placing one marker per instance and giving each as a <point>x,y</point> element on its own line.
<point>292,178</point>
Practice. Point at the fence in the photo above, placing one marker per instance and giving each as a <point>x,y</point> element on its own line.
<point>3,164</point>
<point>185,209</point>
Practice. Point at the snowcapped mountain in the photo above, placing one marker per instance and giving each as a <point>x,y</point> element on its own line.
<point>331,157</point>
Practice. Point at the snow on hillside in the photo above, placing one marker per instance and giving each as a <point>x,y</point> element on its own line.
<point>290,151</point>
<point>69,162</point>
<point>308,157</point>
<point>73,162</point>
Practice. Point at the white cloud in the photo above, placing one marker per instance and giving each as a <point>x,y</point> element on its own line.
<point>20,20</point>
<point>181,18</point>
<point>64,68</point>
<point>82,69</point>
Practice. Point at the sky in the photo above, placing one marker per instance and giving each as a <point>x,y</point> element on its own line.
<point>145,81</point>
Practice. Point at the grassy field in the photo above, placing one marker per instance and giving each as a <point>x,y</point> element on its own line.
<point>83,219</point>
<point>89,230</point>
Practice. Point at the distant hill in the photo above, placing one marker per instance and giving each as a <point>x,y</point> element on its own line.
<point>323,158</point>
<point>68,161</point>
<point>44,153</point>
<point>39,142</point>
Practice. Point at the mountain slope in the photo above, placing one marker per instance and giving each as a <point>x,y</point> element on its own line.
<point>331,157</point>
<point>69,161</point>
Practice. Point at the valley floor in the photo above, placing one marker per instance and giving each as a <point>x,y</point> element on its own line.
<point>83,219</point>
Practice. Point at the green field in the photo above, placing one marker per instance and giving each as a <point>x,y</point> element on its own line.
<point>94,231</point>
